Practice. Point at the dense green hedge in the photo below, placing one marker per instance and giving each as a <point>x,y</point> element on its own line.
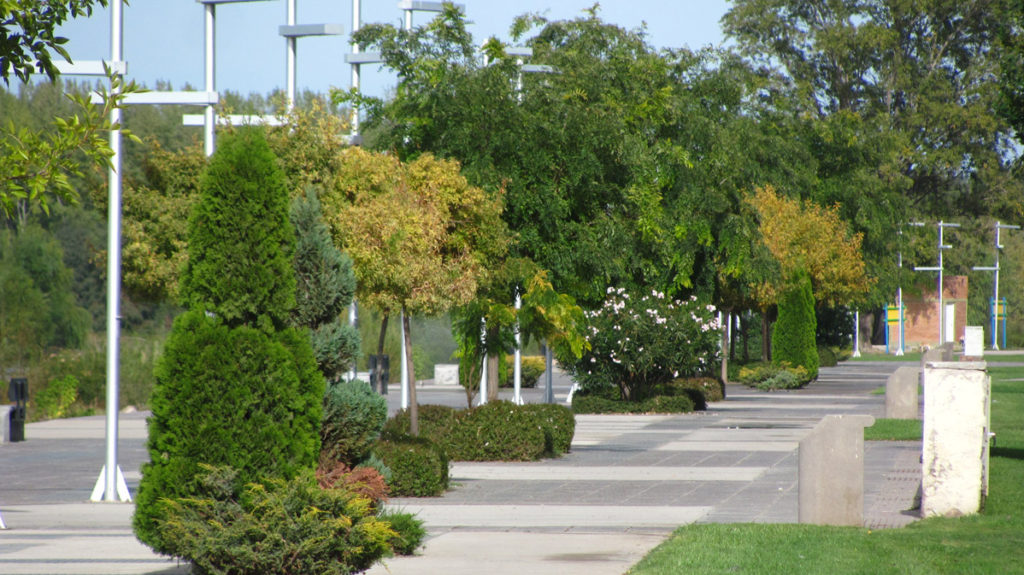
<point>419,468</point>
<point>558,423</point>
<point>656,404</point>
<point>768,377</point>
<point>677,396</point>
<point>496,431</point>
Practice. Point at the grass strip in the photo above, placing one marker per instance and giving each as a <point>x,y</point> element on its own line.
<point>894,430</point>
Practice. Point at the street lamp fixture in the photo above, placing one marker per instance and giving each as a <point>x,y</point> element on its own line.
<point>942,311</point>
<point>995,282</point>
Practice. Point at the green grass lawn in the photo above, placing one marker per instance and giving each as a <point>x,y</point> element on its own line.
<point>894,430</point>
<point>908,356</point>
<point>992,542</point>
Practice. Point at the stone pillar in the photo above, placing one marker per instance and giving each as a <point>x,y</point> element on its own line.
<point>832,471</point>
<point>901,393</point>
<point>5,423</point>
<point>954,475</point>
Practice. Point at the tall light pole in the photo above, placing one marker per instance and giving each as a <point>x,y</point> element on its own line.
<point>942,311</point>
<point>995,283</point>
<point>899,284</point>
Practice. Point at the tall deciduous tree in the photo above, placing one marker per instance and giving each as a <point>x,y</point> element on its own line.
<point>576,151</point>
<point>814,239</point>
<point>419,235</point>
<point>925,70</point>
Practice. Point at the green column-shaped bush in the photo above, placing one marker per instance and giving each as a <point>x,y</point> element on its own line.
<point>793,340</point>
<point>240,240</point>
<point>324,289</point>
<point>235,387</point>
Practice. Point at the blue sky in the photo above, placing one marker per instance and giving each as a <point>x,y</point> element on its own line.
<point>163,39</point>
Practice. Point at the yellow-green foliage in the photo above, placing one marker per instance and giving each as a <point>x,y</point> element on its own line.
<point>54,400</point>
<point>277,526</point>
<point>533,366</point>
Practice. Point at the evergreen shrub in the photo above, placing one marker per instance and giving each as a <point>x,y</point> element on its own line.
<point>793,340</point>
<point>236,397</point>
<point>558,423</point>
<point>240,241</point>
<point>495,431</point>
<point>235,386</point>
<point>827,357</point>
<point>353,416</point>
<point>325,286</point>
<point>419,468</point>
<point>409,531</point>
<point>276,526</point>
<point>768,377</point>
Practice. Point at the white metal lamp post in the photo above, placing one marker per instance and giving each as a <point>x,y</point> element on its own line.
<point>995,283</point>
<point>899,285</point>
<point>942,311</point>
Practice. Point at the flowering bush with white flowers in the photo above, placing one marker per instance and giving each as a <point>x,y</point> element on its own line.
<point>640,341</point>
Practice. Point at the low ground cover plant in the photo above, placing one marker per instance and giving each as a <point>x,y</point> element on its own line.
<point>273,526</point>
<point>769,377</point>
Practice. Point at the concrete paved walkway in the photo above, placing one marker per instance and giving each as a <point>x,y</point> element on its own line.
<point>628,482</point>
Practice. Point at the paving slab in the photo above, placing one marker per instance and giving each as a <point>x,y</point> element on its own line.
<point>510,553</point>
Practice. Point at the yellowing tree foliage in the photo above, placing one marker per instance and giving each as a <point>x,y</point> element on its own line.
<point>813,238</point>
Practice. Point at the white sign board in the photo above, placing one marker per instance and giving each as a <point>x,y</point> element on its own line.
<point>974,337</point>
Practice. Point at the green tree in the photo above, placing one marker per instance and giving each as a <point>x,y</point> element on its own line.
<point>576,152</point>
<point>419,235</point>
<point>793,340</point>
<point>324,289</point>
<point>28,33</point>
<point>926,71</point>
<point>235,386</point>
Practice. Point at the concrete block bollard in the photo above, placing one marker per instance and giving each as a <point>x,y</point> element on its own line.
<point>5,423</point>
<point>831,476</point>
<point>901,399</point>
<point>446,374</point>
<point>954,474</point>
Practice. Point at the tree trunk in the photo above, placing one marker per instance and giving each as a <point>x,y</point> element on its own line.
<point>745,331</point>
<point>766,344</point>
<point>378,376</point>
<point>726,349</point>
<point>492,376</point>
<point>414,412</point>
